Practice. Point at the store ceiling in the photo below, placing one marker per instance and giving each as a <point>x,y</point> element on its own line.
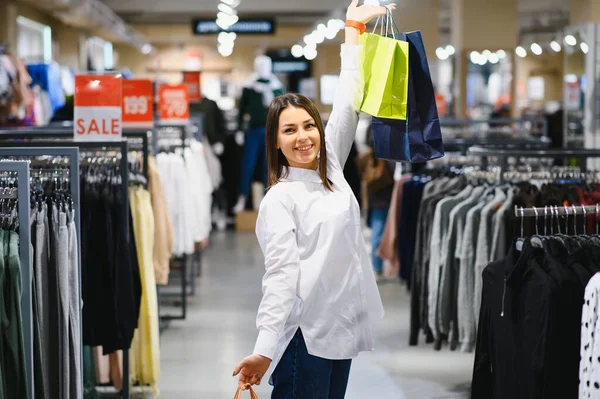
<point>535,15</point>
<point>182,11</point>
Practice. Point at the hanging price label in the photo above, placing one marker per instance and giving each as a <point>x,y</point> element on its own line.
<point>174,104</point>
<point>138,110</point>
<point>192,81</point>
<point>97,113</point>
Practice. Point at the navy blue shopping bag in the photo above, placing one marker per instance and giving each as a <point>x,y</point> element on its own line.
<point>419,137</point>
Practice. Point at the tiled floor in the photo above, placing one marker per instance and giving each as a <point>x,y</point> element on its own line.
<point>199,354</point>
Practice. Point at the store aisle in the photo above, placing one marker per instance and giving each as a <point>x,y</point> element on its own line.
<point>199,354</point>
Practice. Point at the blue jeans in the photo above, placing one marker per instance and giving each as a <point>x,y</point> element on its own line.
<point>299,375</point>
<point>378,220</point>
<point>254,149</point>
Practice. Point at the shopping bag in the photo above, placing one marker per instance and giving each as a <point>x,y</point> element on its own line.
<point>384,70</point>
<point>419,137</point>
<point>238,393</point>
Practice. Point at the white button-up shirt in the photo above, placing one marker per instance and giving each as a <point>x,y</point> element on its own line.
<point>319,276</point>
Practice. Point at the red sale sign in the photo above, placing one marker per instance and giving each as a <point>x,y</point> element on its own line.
<point>192,81</point>
<point>97,114</point>
<point>138,109</point>
<point>174,104</point>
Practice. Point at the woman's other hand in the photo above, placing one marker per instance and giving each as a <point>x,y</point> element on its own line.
<point>366,13</point>
<point>252,369</point>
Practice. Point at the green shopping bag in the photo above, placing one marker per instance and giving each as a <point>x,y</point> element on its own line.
<point>384,68</point>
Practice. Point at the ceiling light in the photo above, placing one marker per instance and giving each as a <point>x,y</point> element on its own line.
<point>146,49</point>
<point>223,24</point>
<point>450,50</point>
<point>319,37</point>
<point>584,47</point>
<point>310,53</point>
<point>493,58</point>
<point>331,33</point>
<point>225,51</point>
<point>554,45</point>
<point>441,53</point>
<point>297,51</point>
<point>226,38</point>
<point>501,54</point>
<point>475,56</point>
<point>521,52</point>
<point>571,78</point>
<point>486,53</point>
<point>226,9</point>
<point>231,3</point>
<point>536,49</point>
<point>570,40</point>
<point>322,29</point>
<point>482,60</point>
<point>309,39</point>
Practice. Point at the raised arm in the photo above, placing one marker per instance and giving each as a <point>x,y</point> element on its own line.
<point>341,126</point>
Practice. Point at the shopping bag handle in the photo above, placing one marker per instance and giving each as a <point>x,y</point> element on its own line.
<point>390,24</point>
<point>241,386</point>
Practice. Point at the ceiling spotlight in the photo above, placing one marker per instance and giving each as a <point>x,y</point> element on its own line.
<point>231,3</point>
<point>225,51</point>
<point>441,53</point>
<point>536,49</point>
<point>331,33</point>
<point>310,53</point>
<point>501,54</point>
<point>486,53</point>
<point>309,39</point>
<point>584,47</point>
<point>297,51</point>
<point>493,58</point>
<point>226,9</point>
<point>450,50</point>
<point>322,29</point>
<point>521,52</point>
<point>554,45</point>
<point>570,40</point>
<point>319,36</point>
<point>146,49</point>
<point>475,57</point>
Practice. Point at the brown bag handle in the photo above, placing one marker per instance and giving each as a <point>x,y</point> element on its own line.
<point>241,387</point>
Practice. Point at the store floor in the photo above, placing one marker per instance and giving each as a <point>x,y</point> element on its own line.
<point>199,354</point>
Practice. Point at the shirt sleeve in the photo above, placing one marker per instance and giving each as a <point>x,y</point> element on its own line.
<point>276,232</point>
<point>343,121</point>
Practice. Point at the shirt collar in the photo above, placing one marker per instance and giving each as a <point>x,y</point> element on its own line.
<point>300,174</point>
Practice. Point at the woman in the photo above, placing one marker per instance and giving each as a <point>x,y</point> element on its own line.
<point>320,300</point>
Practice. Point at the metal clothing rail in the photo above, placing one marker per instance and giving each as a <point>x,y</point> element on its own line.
<point>558,210</point>
<point>504,154</point>
<point>73,154</point>
<point>22,171</point>
<point>463,144</point>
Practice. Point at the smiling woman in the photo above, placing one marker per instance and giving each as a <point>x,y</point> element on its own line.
<point>295,137</point>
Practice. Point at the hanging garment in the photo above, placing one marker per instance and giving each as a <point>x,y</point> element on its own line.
<point>145,355</point>
<point>75,306</point>
<point>589,366</point>
<point>163,231</point>
<point>13,363</point>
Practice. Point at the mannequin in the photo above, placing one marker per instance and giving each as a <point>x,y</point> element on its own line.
<point>254,103</point>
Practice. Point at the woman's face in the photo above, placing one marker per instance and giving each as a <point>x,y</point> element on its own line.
<point>299,138</point>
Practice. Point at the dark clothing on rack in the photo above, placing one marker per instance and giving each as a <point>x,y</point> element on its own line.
<point>13,362</point>
<point>530,321</point>
<point>407,225</point>
<point>213,120</point>
<point>110,273</point>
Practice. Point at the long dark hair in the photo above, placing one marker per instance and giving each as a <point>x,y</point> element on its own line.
<point>275,158</point>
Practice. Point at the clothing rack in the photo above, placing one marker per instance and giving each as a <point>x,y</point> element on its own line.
<point>504,154</point>
<point>183,135</point>
<point>462,145</point>
<point>22,174</point>
<point>122,146</point>
<point>495,123</point>
<point>558,210</point>
<point>73,154</point>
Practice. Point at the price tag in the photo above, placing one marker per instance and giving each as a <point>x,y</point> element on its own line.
<point>174,104</point>
<point>97,113</point>
<point>138,110</point>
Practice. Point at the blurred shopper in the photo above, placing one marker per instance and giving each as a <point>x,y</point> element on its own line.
<point>320,299</point>
<point>378,178</point>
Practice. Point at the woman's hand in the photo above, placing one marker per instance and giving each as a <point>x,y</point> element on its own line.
<point>366,13</point>
<point>252,369</point>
